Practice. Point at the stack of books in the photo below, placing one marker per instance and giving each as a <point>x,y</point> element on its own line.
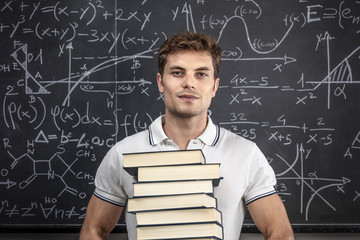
<point>173,195</point>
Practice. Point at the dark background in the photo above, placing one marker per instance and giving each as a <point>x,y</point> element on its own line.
<point>76,77</point>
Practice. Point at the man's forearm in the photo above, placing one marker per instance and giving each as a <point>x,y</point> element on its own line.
<point>281,234</point>
<point>89,234</point>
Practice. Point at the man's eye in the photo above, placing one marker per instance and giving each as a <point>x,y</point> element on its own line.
<point>202,75</point>
<point>177,73</point>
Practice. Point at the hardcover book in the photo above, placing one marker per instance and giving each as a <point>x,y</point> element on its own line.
<point>179,172</point>
<point>172,187</point>
<point>181,231</point>
<point>145,159</point>
<point>171,202</point>
<point>164,217</point>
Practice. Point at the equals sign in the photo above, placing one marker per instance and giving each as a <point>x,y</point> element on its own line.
<point>27,30</point>
<point>108,123</point>
<point>48,9</point>
<point>51,137</point>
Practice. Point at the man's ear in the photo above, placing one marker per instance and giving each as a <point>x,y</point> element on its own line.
<point>216,86</point>
<point>159,83</point>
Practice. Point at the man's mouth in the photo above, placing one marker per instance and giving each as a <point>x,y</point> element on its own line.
<point>188,97</point>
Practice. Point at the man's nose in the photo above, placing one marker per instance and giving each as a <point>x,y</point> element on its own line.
<point>189,81</point>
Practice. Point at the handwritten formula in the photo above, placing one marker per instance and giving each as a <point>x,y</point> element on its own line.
<point>78,76</point>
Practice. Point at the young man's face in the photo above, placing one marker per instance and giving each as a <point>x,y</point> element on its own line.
<point>188,83</point>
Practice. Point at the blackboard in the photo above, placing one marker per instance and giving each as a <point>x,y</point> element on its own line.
<point>78,76</point>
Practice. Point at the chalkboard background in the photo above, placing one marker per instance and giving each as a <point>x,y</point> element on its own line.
<point>78,76</point>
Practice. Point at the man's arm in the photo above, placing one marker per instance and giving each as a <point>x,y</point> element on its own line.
<point>101,218</point>
<point>270,217</point>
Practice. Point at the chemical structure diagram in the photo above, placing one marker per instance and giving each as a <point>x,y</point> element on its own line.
<point>54,168</point>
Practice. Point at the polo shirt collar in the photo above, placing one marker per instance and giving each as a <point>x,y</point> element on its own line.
<point>211,134</point>
<point>156,132</point>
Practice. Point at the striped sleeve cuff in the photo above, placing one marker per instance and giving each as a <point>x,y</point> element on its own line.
<point>109,198</point>
<point>252,199</point>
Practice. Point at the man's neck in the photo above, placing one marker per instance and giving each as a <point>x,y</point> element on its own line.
<point>181,131</point>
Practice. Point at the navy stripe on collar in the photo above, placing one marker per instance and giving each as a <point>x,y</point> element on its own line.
<point>151,140</point>
<point>217,136</point>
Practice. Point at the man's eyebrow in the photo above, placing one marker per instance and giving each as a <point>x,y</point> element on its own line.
<point>183,69</point>
<point>202,69</point>
<point>176,68</point>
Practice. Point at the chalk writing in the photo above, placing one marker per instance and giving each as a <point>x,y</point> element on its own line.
<point>76,77</point>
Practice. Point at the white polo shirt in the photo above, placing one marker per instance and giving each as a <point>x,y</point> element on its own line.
<point>247,176</point>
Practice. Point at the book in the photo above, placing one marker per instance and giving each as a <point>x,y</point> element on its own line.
<point>173,195</point>
<point>164,217</point>
<point>180,231</point>
<point>179,172</point>
<point>197,200</point>
<point>172,187</point>
<point>143,159</point>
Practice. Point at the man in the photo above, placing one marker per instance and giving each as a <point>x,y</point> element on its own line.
<point>187,78</point>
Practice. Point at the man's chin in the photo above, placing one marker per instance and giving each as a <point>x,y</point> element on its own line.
<point>186,114</point>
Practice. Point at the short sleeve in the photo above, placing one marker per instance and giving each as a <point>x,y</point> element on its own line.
<point>108,184</point>
<point>261,177</point>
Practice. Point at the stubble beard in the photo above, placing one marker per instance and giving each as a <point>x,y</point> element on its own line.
<point>186,112</point>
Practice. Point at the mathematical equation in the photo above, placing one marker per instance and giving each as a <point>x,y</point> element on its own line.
<point>78,77</point>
